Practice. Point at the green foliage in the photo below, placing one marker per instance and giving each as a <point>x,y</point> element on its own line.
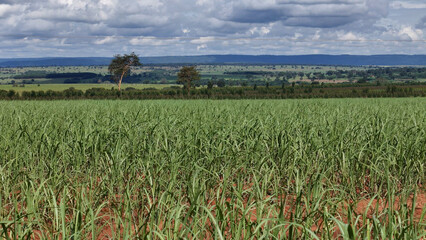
<point>246,169</point>
<point>155,92</point>
<point>221,83</point>
<point>120,66</point>
<point>210,85</point>
<point>187,76</point>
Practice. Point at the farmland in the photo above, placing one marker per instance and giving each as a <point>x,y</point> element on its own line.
<point>203,169</point>
<point>162,74</point>
<point>229,75</point>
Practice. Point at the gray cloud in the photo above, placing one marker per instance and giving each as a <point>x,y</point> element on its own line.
<point>307,13</point>
<point>165,27</point>
<point>422,23</point>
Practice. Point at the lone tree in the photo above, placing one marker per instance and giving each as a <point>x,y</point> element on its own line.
<point>120,66</point>
<point>187,76</point>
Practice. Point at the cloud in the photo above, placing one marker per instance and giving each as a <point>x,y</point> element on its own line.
<point>185,27</point>
<point>181,17</point>
<point>306,13</point>
<point>109,39</point>
<point>153,41</point>
<point>349,37</point>
<point>202,46</point>
<point>422,23</point>
<point>7,9</point>
<point>407,5</point>
<point>409,33</point>
<point>262,31</point>
<point>203,40</point>
<point>138,21</point>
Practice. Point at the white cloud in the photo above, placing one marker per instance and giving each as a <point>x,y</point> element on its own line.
<point>411,33</point>
<point>262,31</point>
<point>202,46</point>
<point>317,36</point>
<point>203,40</point>
<point>109,39</point>
<point>350,36</point>
<point>6,9</point>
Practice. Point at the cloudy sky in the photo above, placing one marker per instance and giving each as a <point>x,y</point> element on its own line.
<point>70,28</point>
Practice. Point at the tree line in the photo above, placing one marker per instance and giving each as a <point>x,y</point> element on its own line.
<point>252,92</point>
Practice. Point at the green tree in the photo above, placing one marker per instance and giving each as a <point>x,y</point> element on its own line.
<point>221,83</point>
<point>187,76</point>
<point>210,84</point>
<point>120,66</point>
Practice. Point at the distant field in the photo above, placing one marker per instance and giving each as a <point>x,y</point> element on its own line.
<point>231,75</point>
<point>207,71</point>
<point>83,87</point>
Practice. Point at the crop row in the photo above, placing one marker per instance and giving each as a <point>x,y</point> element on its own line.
<point>265,169</point>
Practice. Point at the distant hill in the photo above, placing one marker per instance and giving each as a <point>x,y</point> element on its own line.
<point>348,60</point>
<point>45,62</point>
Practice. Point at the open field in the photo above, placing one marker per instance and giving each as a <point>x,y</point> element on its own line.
<point>168,71</point>
<point>244,169</point>
<point>83,87</point>
<point>232,74</point>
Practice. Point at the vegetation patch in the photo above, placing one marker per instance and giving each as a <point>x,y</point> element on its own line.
<point>246,169</point>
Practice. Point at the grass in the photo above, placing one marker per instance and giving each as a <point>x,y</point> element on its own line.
<point>83,87</point>
<point>246,169</point>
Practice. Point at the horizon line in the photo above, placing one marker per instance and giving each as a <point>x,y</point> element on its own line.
<point>228,54</point>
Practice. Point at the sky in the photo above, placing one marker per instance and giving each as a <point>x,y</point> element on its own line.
<point>103,28</point>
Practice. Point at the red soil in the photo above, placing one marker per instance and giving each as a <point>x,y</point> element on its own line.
<point>365,206</point>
